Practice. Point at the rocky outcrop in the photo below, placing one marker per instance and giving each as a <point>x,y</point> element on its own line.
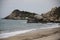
<point>51,16</point>
<point>20,15</point>
<point>32,20</point>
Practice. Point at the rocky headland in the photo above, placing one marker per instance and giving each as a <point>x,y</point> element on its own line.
<point>19,15</point>
<point>52,16</point>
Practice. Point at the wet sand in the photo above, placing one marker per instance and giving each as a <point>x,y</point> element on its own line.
<point>39,34</point>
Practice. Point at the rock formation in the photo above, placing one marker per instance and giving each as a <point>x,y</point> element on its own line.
<point>51,16</point>
<point>19,15</point>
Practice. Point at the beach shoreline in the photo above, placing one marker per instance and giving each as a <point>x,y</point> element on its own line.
<point>33,34</point>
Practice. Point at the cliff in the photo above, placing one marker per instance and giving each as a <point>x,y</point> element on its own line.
<point>52,16</point>
<point>19,15</point>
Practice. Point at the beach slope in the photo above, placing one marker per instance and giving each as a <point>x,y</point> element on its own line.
<point>39,34</point>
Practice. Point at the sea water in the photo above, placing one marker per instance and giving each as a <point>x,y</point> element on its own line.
<point>16,25</point>
<point>12,27</point>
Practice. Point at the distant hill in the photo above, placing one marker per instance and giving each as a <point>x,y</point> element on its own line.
<point>20,15</point>
<point>52,16</point>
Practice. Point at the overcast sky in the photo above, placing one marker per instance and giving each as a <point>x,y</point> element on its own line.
<point>36,6</point>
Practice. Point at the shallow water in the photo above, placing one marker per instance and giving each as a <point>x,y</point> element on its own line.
<point>16,25</point>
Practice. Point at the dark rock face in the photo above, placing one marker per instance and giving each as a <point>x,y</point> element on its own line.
<point>51,16</point>
<point>19,15</point>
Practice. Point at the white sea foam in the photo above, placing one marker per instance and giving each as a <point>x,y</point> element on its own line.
<point>5,35</point>
<point>49,27</point>
<point>52,26</point>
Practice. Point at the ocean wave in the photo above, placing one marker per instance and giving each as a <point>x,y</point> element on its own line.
<point>6,35</point>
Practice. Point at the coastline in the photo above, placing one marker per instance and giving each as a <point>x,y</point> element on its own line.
<point>19,35</point>
<point>6,35</point>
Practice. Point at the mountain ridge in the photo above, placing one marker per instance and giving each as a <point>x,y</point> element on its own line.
<point>19,15</point>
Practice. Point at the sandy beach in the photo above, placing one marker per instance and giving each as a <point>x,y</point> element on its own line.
<point>39,34</point>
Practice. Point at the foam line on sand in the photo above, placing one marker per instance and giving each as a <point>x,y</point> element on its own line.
<point>6,35</point>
